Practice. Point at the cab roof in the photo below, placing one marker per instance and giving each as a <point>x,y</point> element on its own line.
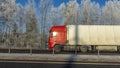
<point>58,28</point>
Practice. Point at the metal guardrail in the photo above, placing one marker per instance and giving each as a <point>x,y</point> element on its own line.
<point>61,58</point>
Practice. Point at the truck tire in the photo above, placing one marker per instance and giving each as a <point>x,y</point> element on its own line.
<point>118,49</point>
<point>83,49</point>
<point>57,48</point>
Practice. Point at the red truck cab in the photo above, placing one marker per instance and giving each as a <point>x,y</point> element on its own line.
<point>57,36</point>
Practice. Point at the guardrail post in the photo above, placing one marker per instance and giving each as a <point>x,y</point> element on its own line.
<point>98,53</point>
<point>30,50</point>
<point>76,50</point>
<point>53,51</point>
<point>9,51</point>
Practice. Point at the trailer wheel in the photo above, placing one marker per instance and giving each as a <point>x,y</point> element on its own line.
<point>57,48</point>
<point>84,49</point>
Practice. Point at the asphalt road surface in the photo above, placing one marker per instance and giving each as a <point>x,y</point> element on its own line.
<point>17,64</point>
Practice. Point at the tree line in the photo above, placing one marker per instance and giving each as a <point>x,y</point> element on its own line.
<point>28,25</point>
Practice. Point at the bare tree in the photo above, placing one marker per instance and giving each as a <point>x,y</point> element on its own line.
<point>7,14</point>
<point>31,22</point>
<point>20,20</point>
<point>44,7</point>
<point>57,14</point>
<point>72,12</point>
<point>90,12</point>
<point>110,13</point>
<point>20,17</point>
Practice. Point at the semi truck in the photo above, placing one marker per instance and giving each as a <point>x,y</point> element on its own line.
<point>84,38</point>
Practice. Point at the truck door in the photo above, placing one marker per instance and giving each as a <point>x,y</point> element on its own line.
<point>61,37</point>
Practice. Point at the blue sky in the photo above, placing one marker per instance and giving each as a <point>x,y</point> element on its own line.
<point>58,2</point>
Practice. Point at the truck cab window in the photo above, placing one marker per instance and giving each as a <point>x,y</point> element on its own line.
<point>54,34</point>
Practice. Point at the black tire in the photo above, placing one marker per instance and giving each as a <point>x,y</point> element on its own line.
<point>84,49</point>
<point>118,49</point>
<point>57,48</point>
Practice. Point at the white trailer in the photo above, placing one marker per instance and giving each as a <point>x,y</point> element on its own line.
<point>97,37</point>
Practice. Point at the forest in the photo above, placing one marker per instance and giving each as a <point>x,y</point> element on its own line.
<point>28,26</point>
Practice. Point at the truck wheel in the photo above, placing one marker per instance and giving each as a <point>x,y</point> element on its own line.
<point>118,49</point>
<point>57,48</point>
<point>84,49</point>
